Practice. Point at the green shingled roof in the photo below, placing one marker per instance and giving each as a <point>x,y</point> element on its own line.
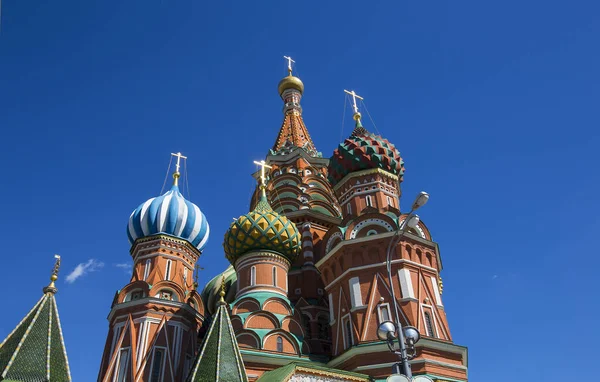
<point>34,351</point>
<point>219,358</point>
<point>284,373</point>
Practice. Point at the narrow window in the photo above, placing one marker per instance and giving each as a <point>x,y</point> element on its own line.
<point>389,201</point>
<point>369,201</point>
<point>147,269</point>
<point>168,270</point>
<point>323,328</point>
<point>347,333</point>
<point>349,208</point>
<point>384,313</point>
<point>253,276</point>
<point>355,292</point>
<point>331,313</point>
<point>123,363</point>
<point>275,276</point>
<point>185,270</point>
<point>157,363</point>
<point>306,324</point>
<point>429,325</point>
<point>280,344</point>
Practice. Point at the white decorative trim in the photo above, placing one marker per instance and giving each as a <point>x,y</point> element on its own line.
<point>370,222</point>
<point>355,293</point>
<point>330,241</point>
<point>436,291</point>
<point>406,287</point>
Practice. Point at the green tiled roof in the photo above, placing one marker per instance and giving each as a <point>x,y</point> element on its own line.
<point>284,373</point>
<point>219,358</point>
<point>34,351</point>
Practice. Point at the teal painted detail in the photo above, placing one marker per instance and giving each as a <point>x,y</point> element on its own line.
<point>261,297</point>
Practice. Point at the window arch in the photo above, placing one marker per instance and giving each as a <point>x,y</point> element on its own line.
<point>349,208</point>
<point>429,326</point>
<point>371,232</point>
<point>253,276</point>
<point>369,201</point>
<point>280,344</point>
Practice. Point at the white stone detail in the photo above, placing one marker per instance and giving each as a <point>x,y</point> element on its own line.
<point>406,283</point>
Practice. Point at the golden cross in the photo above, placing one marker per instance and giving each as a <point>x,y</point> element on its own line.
<point>179,157</point>
<point>262,165</point>
<point>56,266</point>
<point>289,60</point>
<point>354,97</point>
<point>198,268</point>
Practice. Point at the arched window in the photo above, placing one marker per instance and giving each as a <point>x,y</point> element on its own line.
<point>280,344</point>
<point>371,232</point>
<point>389,201</point>
<point>429,325</point>
<point>307,172</point>
<point>166,294</point>
<point>168,270</point>
<point>369,201</point>
<point>275,276</point>
<point>147,269</point>
<point>253,276</point>
<point>349,208</point>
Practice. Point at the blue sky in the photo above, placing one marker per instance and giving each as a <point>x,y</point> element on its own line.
<point>494,106</point>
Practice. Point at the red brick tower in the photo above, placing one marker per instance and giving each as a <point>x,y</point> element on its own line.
<point>366,171</point>
<point>155,319</point>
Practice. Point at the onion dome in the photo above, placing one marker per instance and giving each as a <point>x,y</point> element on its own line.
<point>169,214</point>
<point>290,82</point>
<point>262,229</point>
<point>364,150</point>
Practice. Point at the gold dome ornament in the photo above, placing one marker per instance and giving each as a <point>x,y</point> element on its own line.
<point>290,82</point>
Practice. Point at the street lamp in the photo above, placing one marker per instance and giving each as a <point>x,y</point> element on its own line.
<point>389,331</point>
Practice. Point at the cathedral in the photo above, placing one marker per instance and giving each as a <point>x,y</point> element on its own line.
<point>323,258</point>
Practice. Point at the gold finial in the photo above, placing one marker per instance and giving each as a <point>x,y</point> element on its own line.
<point>357,114</point>
<point>51,288</point>
<point>177,174</point>
<point>263,178</point>
<point>289,60</point>
<point>222,291</point>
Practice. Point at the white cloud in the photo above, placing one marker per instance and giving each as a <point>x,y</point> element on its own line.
<point>126,267</point>
<point>494,277</point>
<point>81,269</point>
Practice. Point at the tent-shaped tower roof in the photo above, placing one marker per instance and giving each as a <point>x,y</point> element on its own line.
<point>34,351</point>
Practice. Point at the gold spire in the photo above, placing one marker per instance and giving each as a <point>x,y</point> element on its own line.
<point>177,174</point>
<point>222,291</point>
<point>51,288</point>
<point>357,114</point>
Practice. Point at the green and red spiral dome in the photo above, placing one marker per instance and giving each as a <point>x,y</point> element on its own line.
<point>364,150</point>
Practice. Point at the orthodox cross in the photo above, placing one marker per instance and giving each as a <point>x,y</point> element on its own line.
<point>198,268</point>
<point>179,157</point>
<point>354,97</point>
<point>289,60</point>
<point>262,165</point>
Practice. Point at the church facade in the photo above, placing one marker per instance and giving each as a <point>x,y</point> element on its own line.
<point>307,286</point>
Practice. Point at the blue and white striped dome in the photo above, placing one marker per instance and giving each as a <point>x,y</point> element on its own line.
<point>170,214</point>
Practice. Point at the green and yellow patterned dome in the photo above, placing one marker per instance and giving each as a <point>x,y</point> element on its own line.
<point>262,229</point>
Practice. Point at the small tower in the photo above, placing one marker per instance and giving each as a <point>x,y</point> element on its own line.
<point>155,318</point>
<point>262,245</point>
<point>35,350</point>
